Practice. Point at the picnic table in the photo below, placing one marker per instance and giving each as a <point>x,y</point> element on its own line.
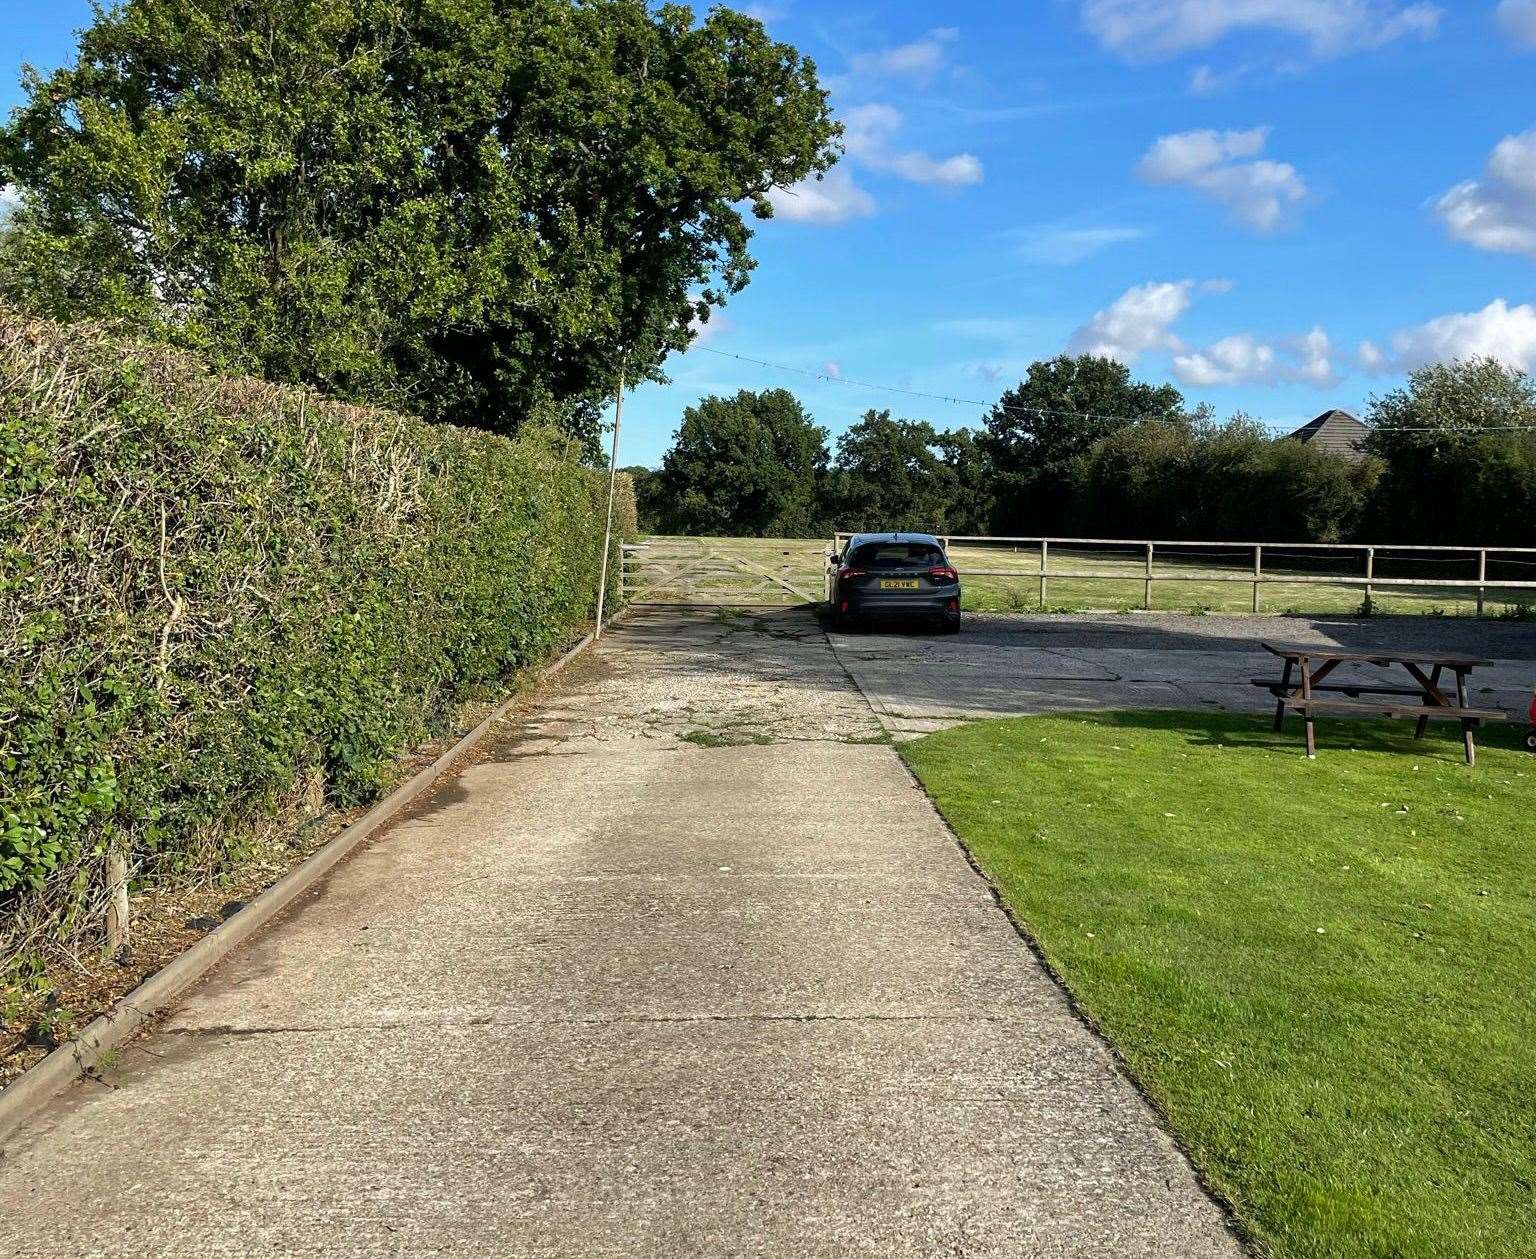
<point>1302,689</point>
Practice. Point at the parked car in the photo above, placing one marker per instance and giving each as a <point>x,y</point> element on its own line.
<point>895,575</point>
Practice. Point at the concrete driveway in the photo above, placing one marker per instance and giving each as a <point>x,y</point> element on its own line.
<point>685,965</point>
<point>1009,665</point>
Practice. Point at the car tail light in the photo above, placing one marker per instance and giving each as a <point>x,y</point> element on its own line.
<point>944,573</point>
<point>844,573</point>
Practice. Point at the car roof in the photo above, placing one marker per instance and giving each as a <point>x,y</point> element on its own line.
<point>859,539</point>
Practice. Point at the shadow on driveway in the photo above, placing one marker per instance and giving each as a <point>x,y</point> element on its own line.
<point>1014,665</point>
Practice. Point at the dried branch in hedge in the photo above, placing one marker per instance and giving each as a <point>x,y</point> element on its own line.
<point>211,588</point>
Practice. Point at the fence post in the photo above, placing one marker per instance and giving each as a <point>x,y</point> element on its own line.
<point>1146,594</point>
<point>1482,578</point>
<point>1258,573</point>
<point>1370,571</point>
<point>1045,547</point>
<point>117,904</point>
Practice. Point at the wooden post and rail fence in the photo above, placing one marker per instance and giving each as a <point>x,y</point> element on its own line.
<point>1143,553</point>
<point>785,572</point>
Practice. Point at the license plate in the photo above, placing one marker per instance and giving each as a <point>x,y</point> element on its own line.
<point>899,585</point>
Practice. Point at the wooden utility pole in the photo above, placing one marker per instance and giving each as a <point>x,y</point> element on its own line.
<point>613,477</point>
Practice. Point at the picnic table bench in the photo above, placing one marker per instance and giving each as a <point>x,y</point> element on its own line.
<point>1302,689</point>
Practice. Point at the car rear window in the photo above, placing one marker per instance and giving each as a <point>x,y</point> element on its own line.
<point>896,555</point>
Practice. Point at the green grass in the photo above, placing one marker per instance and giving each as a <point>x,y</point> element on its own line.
<point>1182,584</point>
<point>1323,973</point>
<point>727,738</point>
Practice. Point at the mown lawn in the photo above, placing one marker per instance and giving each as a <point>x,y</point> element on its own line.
<point>1324,974</point>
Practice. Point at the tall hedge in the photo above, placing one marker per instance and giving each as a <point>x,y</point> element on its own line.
<point>210,587</point>
<point>1223,482</point>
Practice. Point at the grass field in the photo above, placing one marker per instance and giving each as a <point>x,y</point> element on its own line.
<point>1184,581</point>
<point>1321,972</point>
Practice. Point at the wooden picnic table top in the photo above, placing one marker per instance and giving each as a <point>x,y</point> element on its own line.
<point>1376,657</point>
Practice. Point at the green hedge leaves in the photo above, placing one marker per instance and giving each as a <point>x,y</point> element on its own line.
<point>211,587</point>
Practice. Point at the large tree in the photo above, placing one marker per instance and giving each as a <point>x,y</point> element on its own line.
<point>970,511</point>
<point>890,474</point>
<point>471,208</point>
<point>1459,447</point>
<point>1040,427</point>
<point>751,466</point>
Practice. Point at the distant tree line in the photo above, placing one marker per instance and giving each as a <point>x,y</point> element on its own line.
<point>1080,448</point>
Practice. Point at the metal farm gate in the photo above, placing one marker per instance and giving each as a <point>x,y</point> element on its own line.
<point>720,572</point>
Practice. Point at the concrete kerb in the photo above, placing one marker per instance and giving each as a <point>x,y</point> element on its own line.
<point>27,1094</point>
<point>1084,1016</point>
<point>1026,936</point>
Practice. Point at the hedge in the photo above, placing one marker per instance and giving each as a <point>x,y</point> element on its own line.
<point>1218,482</point>
<point>212,589</point>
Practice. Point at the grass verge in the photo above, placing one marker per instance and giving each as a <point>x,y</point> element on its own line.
<point>1320,972</point>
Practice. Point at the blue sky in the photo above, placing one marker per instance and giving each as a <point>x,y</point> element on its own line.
<point>1279,204</point>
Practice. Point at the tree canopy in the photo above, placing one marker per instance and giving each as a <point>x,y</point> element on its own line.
<point>1038,428</point>
<point>749,465</point>
<point>468,208</point>
<point>1459,445</point>
<point>890,474</point>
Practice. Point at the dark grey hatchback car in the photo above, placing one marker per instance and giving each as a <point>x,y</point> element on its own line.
<point>895,575</point>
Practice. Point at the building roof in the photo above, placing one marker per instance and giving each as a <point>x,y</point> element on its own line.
<point>1337,432</point>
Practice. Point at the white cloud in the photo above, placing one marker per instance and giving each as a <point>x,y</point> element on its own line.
<point>10,198</point>
<point>1314,359</point>
<point>706,330</point>
<point>1244,359</point>
<point>1203,81</point>
<point>1061,245</point>
<point>1140,319</point>
<point>1207,80</point>
<point>1141,29</point>
<point>922,59</point>
<point>1497,212</point>
<point>1498,331</point>
<point>835,198</point>
<point>834,370</point>
<point>1517,18</point>
<point>1233,360</point>
<point>959,171</point>
<point>1372,358</point>
<point>1260,193</point>
<point>868,128</point>
<point>868,132</point>
<point>1179,158</point>
<point>1143,319</point>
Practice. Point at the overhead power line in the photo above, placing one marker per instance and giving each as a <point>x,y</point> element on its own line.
<point>840,379</point>
<point>933,397</point>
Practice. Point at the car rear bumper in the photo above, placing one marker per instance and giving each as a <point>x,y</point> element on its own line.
<point>944,602</point>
